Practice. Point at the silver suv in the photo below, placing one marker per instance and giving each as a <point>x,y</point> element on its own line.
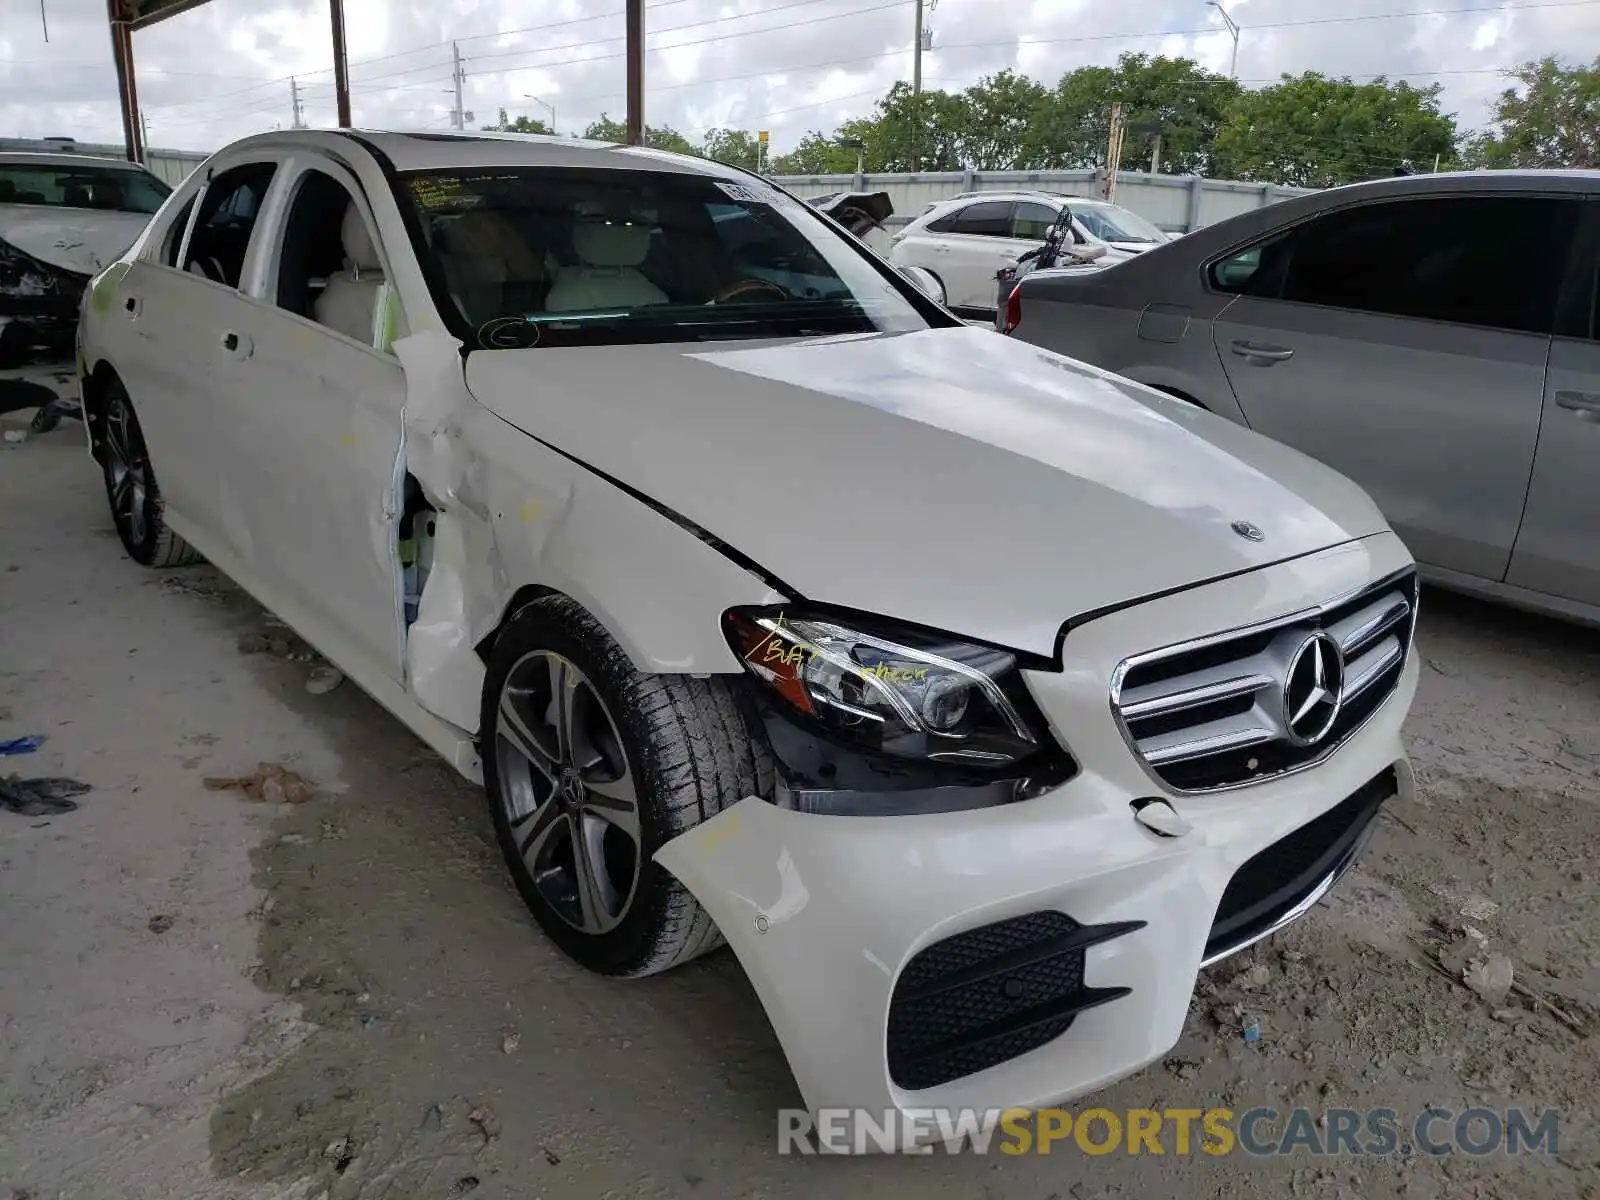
<point>1435,338</point>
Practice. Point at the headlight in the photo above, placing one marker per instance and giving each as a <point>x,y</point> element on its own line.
<point>953,715</point>
<point>939,701</point>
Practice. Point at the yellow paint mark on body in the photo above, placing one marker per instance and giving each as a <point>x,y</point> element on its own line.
<point>719,833</point>
<point>348,440</point>
<point>530,512</point>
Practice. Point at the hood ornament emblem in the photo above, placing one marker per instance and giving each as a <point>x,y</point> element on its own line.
<point>1249,532</point>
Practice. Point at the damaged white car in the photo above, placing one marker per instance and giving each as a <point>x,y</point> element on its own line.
<point>63,218</point>
<point>977,697</point>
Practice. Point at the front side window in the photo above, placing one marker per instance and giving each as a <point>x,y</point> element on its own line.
<point>1493,261</point>
<point>1032,221</point>
<point>1110,223</point>
<point>579,256</point>
<point>108,189</point>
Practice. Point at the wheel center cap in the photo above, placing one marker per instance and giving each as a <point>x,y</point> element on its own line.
<point>571,787</point>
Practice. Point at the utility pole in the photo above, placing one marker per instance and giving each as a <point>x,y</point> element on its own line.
<point>341,64</point>
<point>916,93</point>
<point>457,114</point>
<point>1113,153</point>
<point>635,61</point>
<point>299,117</point>
<point>144,124</point>
<point>1233,28</point>
<point>1155,155</point>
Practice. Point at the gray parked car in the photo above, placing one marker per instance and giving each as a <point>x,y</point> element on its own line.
<point>1436,338</point>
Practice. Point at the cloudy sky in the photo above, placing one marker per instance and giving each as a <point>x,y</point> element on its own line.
<point>223,70</point>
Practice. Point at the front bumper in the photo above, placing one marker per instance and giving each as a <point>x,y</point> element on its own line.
<point>827,913</point>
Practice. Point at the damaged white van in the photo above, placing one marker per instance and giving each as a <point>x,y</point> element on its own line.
<point>977,697</point>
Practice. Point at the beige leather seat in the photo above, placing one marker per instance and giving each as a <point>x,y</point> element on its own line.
<point>608,274</point>
<point>348,301</point>
<point>489,269</point>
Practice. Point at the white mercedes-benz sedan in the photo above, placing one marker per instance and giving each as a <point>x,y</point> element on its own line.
<point>979,698</point>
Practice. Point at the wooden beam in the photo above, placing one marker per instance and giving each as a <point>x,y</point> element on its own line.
<point>144,13</point>
<point>636,126</point>
<point>127,92</point>
<point>341,65</point>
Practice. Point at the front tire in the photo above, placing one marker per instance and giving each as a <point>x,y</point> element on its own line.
<point>131,488</point>
<point>591,766</point>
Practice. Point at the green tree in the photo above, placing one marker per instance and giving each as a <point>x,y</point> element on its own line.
<point>1312,131</point>
<point>663,138</point>
<point>1073,121</point>
<point>522,124</point>
<point>736,147</point>
<point>818,154</point>
<point>997,116</point>
<point>906,129</point>
<point>1551,120</point>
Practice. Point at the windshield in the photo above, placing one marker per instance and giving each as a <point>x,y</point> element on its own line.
<point>1110,223</point>
<point>116,189</point>
<point>583,256</point>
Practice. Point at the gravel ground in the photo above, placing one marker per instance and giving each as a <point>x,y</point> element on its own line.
<point>207,996</point>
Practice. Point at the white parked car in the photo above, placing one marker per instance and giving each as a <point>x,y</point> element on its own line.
<point>63,217</point>
<point>964,241</point>
<point>977,697</point>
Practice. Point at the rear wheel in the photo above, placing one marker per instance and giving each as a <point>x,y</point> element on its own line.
<point>591,767</point>
<point>131,488</point>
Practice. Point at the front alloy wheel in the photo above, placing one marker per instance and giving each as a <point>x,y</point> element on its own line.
<point>568,793</point>
<point>592,766</point>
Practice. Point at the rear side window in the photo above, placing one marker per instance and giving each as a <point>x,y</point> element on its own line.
<point>227,216</point>
<point>987,218</point>
<point>1474,260</point>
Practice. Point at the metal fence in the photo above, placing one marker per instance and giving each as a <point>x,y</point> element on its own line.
<point>1177,203</point>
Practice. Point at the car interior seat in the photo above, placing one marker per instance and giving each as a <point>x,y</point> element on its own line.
<point>349,299</point>
<point>76,195</point>
<point>609,251</point>
<point>489,267</point>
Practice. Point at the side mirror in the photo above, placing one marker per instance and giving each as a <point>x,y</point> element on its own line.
<point>927,283</point>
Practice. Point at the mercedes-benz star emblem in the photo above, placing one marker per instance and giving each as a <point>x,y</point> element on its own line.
<point>1312,690</point>
<point>1249,532</point>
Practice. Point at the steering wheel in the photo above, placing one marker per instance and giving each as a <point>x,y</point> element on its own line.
<point>744,287</point>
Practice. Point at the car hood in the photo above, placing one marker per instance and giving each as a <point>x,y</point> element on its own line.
<point>77,239</point>
<point>952,477</point>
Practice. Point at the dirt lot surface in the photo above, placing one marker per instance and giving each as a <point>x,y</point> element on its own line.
<point>205,995</point>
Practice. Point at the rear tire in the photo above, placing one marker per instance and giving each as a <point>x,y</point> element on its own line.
<point>131,489</point>
<point>582,753</point>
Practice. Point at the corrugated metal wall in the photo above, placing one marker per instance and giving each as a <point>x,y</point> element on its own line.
<point>1180,203</point>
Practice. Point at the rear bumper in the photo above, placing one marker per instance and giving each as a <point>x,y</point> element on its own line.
<point>1078,931</point>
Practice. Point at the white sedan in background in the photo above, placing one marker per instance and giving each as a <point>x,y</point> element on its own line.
<point>964,241</point>
<point>977,697</point>
<point>63,217</point>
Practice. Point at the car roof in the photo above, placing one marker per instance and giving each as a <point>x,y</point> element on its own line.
<point>446,150</point>
<point>1473,180</point>
<point>39,158</point>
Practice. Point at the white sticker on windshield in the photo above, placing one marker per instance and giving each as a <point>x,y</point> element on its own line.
<point>749,194</point>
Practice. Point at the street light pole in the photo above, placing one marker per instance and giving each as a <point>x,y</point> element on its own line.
<point>1233,28</point>
<point>547,104</point>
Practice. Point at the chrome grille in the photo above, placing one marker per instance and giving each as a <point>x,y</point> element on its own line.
<point>1243,705</point>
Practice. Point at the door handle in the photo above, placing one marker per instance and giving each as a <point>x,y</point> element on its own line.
<point>1262,353</point>
<point>1582,403</point>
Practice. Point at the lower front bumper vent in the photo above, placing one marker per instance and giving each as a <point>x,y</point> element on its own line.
<point>992,994</point>
<point>1291,875</point>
